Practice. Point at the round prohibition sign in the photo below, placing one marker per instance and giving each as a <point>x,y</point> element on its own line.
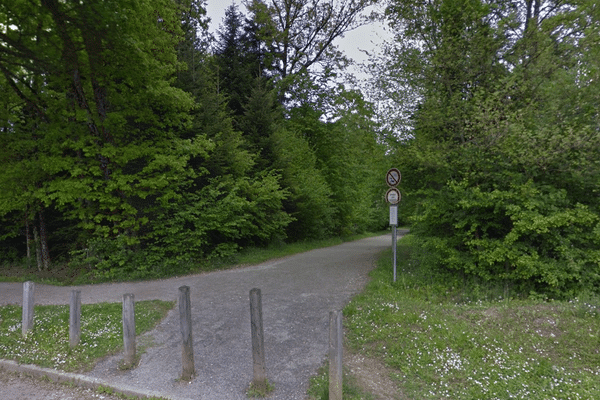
<point>393,196</point>
<point>393,177</point>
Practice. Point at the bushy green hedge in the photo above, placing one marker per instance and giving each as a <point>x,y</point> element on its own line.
<point>527,234</point>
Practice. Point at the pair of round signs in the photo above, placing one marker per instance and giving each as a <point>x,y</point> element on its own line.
<point>393,178</point>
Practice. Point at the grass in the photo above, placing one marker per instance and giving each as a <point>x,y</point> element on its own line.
<point>446,338</point>
<point>109,391</point>
<point>62,273</point>
<point>319,386</point>
<point>260,390</point>
<point>258,255</point>
<point>47,345</point>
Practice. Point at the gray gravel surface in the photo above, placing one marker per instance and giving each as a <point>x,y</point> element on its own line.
<point>297,294</point>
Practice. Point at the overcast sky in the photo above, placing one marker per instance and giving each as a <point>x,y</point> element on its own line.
<point>363,38</point>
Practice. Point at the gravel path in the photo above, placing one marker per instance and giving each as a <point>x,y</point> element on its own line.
<point>297,294</point>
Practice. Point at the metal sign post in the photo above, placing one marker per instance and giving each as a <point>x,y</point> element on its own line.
<point>393,197</point>
<point>394,223</point>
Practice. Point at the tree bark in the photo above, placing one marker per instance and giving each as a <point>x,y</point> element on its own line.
<point>44,243</point>
<point>28,241</point>
<point>38,248</point>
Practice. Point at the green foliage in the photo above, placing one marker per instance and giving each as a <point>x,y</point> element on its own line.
<point>110,259</point>
<point>501,169</point>
<point>351,162</point>
<point>237,60</point>
<point>256,255</point>
<point>309,203</point>
<point>214,222</point>
<point>141,154</point>
<point>521,234</point>
<point>243,211</point>
<point>103,136</point>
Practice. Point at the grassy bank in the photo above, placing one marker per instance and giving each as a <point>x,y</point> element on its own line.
<point>64,273</point>
<point>48,344</point>
<point>448,338</point>
<point>257,255</point>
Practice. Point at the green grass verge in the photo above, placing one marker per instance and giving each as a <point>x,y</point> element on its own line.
<point>258,255</point>
<point>47,345</point>
<point>65,274</point>
<point>319,386</point>
<point>447,338</point>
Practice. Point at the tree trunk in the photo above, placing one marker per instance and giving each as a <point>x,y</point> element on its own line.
<point>28,241</point>
<point>44,243</point>
<point>38,248</point>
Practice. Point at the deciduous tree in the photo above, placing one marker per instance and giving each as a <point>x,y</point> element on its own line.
<point>297,36</point>
<point>95,110</point>
<point>503,141</point>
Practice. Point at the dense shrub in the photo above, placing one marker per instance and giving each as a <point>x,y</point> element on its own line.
<point>523,233</point>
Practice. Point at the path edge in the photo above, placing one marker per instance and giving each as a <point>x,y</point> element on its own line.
<point>79,380</point>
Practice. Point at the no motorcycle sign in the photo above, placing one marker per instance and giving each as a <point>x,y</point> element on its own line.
<point>393,177</point>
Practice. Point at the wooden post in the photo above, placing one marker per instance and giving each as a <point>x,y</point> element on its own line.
<point>335,355</point>
<point>185,319</point>
<point>27,321</point>
<point>258,342</point>
<point>75,318</point>
<point>129,329</point>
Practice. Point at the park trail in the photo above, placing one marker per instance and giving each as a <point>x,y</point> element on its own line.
<point>298,292</point>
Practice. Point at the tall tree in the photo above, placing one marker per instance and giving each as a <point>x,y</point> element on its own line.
<point>194,44</point>
<point>228,202</point>
<point>349,158</point>
<point>237,65</point>
<point>298,35</point>
<point>104,115</point>
<point>501,136</point>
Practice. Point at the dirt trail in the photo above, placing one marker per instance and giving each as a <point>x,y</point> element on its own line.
<point>297,294</point>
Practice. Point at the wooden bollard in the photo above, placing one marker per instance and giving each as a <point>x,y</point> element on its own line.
<point>129,330</point>
<point>28,302</point>
<point>185,319</point>
<point>75,318</point>
<point>335,355</point>
<point>258,342</point>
